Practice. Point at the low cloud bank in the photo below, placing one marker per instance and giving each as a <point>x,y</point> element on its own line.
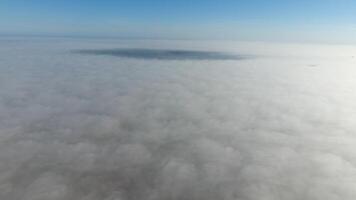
<point>92,127</point>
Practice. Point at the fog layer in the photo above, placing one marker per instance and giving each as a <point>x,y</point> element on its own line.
<point>74,126</point>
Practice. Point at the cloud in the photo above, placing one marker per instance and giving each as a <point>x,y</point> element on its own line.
<point>111,128</point>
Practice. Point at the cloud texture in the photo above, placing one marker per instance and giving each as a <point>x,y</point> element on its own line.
<point>99,127</point>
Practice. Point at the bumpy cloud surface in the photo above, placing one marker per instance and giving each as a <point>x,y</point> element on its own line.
<point>279,126</point>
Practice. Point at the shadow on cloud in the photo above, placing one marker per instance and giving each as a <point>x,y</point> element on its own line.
<point>163,54</point>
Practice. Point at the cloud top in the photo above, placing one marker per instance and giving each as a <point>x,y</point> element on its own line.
<point>76,127</point>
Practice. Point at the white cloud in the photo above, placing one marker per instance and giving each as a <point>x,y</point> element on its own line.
<point>100,127</point>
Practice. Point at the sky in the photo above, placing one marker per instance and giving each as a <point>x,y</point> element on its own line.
<point>202,119</point>
<point>278,20</point>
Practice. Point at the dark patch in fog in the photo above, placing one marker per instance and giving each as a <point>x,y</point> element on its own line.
<point>163,54</point>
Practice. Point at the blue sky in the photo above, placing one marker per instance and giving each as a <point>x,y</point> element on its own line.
<point>281,20</point>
